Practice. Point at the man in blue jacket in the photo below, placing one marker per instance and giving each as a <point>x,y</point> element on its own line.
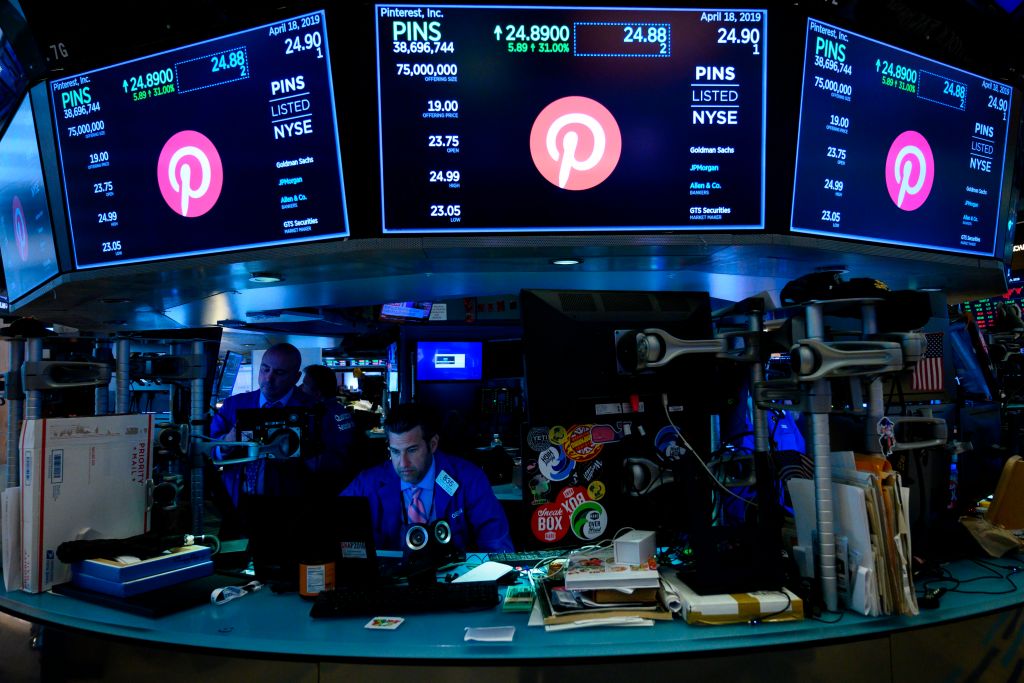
<point>422,485</point>
<point>278,374</point>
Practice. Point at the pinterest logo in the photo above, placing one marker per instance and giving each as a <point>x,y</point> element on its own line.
<point>20,229</point>
<point>575,143</point>
<point>190,173</point>
<point>909,170</point>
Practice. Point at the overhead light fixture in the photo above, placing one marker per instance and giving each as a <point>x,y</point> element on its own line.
<point>566,261</point>
<point>265,277</point>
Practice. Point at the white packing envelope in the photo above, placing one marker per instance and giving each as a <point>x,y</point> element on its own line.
<point>851,521</point>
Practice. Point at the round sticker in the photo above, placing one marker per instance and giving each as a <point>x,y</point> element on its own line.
<point>550,523</point>
<point>596,490</point>
<point>539,487</point>
<point>557,435</point>
<point>580,445</point>
<point>537,438</point>
<point>554,465</point>
<point>589,520</point>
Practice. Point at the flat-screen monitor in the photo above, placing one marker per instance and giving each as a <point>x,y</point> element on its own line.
<point>534,119</point>
<point>449,360</point>
<point>406,310</point>
<point>13,80</point>
<point>26,231</point>
<point>899,149</point>
<point>231,143</point>
<point>569,349</point>
<point>227,373</point>
<point>989,313</point>
<point>20,59</point>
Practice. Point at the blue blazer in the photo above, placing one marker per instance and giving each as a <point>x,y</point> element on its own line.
<point>284,478</point>
<point>477,521</point>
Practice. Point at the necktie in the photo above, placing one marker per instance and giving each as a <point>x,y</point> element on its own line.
<point>253,469</point>
<point>417,513</point>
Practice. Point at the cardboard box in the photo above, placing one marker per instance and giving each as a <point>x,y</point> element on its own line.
<point>736,608</point>
<point>82,478</point>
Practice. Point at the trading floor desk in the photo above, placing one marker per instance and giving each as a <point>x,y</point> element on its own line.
<point>264,636</point>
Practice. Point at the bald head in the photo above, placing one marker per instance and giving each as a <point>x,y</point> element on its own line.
<point>279,371</point>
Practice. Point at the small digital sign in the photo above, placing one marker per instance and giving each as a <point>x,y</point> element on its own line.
<point>449,360</point>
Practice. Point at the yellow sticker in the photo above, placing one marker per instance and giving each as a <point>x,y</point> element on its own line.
<point>557,435</point>
<point>596,490</point>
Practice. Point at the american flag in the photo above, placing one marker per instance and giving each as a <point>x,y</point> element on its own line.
<point>928,375</point>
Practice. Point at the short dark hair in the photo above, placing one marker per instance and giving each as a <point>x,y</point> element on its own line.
<point>324,380</point>
<point>409,416</point>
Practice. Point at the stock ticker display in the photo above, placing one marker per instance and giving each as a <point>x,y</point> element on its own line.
<point>896,148</point>
<point>225,144</point>
<point>26,230</point>
<point>528,119</point>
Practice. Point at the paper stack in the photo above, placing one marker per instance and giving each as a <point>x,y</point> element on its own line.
<point>597,591</point>
<point>872,531</point>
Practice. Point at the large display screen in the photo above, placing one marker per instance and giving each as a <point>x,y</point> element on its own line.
<point>26,232</point>
<point>226,144</point>
<point>529,119</point>
<point>896,148</point>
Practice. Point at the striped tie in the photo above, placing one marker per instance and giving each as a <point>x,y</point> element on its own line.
<point>417,513</point>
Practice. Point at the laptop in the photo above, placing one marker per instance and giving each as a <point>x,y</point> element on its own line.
<point>285,531</point>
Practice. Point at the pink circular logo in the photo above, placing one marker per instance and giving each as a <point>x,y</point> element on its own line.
<point>575,143</point>
<point>20,228</point>
<point>909,170</point>
<point>189,173</point>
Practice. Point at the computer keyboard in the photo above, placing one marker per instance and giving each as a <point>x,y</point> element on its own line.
<point>397,600</point>
<point>528,556</point>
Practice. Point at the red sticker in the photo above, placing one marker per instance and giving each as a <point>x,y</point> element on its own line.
<point>579,444</point>
<point>550,523</point>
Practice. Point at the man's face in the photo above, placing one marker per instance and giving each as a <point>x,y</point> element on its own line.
<point>411,454</point>
<point>278,374</point>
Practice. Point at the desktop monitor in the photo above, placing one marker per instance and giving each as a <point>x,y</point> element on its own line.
<point>896,148</point>
<point>26,231</point>
<point>569,349</point>
<point>230,143</point>
<point>539,119</point>
<point>449,360</point>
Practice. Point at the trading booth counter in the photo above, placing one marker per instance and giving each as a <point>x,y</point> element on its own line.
<point>279,628</point>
